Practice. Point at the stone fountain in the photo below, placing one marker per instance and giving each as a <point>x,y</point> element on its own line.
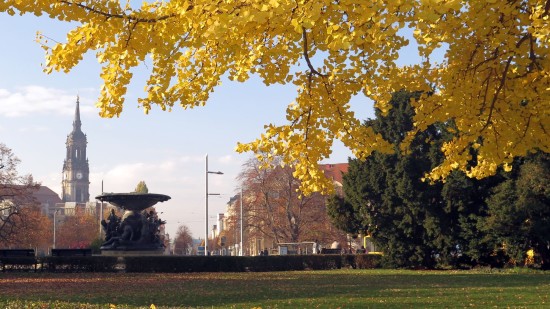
<point>137,231</point>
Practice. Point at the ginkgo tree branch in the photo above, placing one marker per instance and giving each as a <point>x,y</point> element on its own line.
<point>306,55</point>
<point>121,16</point>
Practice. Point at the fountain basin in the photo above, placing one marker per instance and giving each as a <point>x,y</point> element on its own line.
<point>133,201</point>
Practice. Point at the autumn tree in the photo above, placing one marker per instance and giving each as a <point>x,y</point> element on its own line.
<point>16,192</point>
<point>273,206</point>
<point>32,229</point>
<point>183,240</point>
<point>232,222</point>
<point>493,79</point>
<point>77,231</point>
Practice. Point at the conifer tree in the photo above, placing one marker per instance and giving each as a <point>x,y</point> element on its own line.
<point>415,222</point>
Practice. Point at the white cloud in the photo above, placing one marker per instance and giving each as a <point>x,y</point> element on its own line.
<point>34,129</point>
<point>52,181</point>
<point>191,159</point>
<point>229,159</point>
<point>37,99</point>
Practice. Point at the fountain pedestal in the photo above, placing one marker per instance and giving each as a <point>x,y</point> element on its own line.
<point>137,231</point>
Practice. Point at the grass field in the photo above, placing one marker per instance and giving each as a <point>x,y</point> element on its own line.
<point>301,289</point>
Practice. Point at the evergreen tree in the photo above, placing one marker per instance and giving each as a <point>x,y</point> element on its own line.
<point>519,213</point>
<point>461,222</point>
<point>141,187</point>
<point>387,194</point>
<point>417,223</point>
<point>342,215</point>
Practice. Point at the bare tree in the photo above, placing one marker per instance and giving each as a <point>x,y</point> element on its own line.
<point>275,208</point>
<point>183,240</point>
<point>16,191</point>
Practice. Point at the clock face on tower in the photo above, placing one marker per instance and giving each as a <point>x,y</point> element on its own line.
<point>78,175</point>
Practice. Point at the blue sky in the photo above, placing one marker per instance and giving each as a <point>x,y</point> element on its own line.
<point>166,150</point>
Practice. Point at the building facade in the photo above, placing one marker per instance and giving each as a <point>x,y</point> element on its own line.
<point>76,171</point>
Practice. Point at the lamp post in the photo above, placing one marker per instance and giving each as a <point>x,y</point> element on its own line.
<point>54,219</point>
<point>101,213</point>
<point>206,205</point>
<point>241,225</point>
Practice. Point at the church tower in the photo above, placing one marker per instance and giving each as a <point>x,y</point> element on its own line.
<point>76,171</point>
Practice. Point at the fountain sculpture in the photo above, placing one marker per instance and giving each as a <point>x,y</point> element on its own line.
<point>138,230</point>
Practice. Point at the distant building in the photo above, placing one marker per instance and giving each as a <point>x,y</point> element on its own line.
<point>76,170</point>
<point>75,183</point>
<point>336,172</point>
<point>195,247</point>
<point>47,199</point>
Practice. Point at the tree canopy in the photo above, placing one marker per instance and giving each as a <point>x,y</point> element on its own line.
<point>493,81</point>
<point>274,209</point>
<point>141,187</point>
<point>183,240</point>
<point>386,196</point>
<point>518,212</point>
<point>16,191</point>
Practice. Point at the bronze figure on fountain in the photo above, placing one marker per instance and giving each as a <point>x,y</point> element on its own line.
<point>138,229</point>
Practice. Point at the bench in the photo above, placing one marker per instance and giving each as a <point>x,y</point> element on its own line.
<point>69,260</point>
<point>16,252</point>
<point>72,252</point>
<point>330,251</point>
<point>18,259</point>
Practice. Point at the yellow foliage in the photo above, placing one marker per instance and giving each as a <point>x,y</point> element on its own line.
<point>530,257</point>
<point>493,82</point>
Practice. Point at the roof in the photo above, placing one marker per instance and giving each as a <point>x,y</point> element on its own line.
<point>335,171</point>
<point>45,195</point>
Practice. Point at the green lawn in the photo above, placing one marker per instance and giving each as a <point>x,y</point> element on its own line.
<point>300,289</point>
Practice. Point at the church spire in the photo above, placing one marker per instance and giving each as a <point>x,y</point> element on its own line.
<point>77,125</point>
<point>76,169</point>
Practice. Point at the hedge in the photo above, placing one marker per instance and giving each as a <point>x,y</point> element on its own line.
<point>80,263</point>
<point>178,264</point>
<point>175,264</point>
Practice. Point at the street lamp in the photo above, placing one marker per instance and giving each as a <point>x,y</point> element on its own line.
<point>206,205</point>
<point>54,219</point>
<point>101,213</point>
<point>241,225</point>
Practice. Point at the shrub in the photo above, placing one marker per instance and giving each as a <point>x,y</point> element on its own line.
<point>367,261</point>
<point>19,263</point>
<point>80,263</point>
<point>176,264</point>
